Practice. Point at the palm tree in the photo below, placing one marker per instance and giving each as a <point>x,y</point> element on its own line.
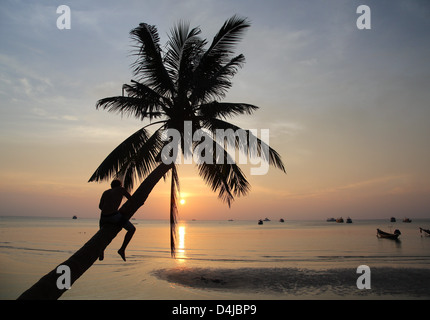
<point>183,83</point>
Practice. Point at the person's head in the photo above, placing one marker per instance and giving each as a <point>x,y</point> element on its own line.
<point>115,184</point>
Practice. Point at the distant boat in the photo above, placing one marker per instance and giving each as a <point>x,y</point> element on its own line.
<point>74,217</point>
<point>230,220</point>
<point>407,220</point>
<point>349,220</point>
<point>339,220</point>
<point>281,220</point>
<point>267,219</point>
<point>393,219</point>
<point>393,236</point>
<point>331,220</point>
<point>260,221</point>
<point>426,232</point>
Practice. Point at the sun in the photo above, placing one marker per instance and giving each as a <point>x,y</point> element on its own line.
<point>182,201</point>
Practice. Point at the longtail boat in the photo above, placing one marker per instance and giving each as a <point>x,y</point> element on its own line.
<point>426,231</point>
<point>382,234</point>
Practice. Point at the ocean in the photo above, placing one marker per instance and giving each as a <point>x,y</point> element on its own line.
<point>224,260</point>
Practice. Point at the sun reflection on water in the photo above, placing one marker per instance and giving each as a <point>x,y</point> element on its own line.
<point>180,252</point>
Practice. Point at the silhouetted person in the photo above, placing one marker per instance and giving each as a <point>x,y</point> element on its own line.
<point>109,204</point>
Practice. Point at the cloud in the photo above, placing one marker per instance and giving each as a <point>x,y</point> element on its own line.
<point>46,115</point>
<point>285,129</point>
<point>21,83</point>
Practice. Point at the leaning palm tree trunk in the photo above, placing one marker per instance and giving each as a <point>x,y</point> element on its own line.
<point>83,259</point>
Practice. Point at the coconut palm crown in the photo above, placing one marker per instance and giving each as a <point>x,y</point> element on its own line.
<point>184,81</point>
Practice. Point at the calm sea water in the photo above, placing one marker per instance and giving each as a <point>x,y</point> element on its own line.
<point>223,259</point>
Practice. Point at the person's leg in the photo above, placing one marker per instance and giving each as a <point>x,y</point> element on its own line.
<point>113,218</point>
<point>130,232</point>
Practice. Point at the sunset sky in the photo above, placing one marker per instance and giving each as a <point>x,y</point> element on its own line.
<point>348,109</point>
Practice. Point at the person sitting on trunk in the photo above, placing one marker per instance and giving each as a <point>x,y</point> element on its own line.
<point>109,203</point>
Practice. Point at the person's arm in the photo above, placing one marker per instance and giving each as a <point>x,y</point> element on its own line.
<point>126,194</point>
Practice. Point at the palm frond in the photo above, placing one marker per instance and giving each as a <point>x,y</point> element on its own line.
<point>174,190</point>
<point>143,161</point>
<point>115,160</point>
<point>152,98</point>
<point>253,146</point>
<point>224,109</point>
<point>216,67</point>
<point>228,36</point>
<point>214,80</point>
<point>226,178</point>
<point>149,65</point>
<point>137,155</point>
<point>131,106</point>
<point>183,46</point>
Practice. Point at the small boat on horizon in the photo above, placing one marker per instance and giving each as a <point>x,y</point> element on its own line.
<point>74,217</point>
<point>267,219</point>
<point>386,235</point>
<point>349,220</point>
<point>331,220</point>
<point>407,220</point>
<point>260,221</point>
<point>281,220</point>
<point>393,219</point>
<point>339,220</point>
